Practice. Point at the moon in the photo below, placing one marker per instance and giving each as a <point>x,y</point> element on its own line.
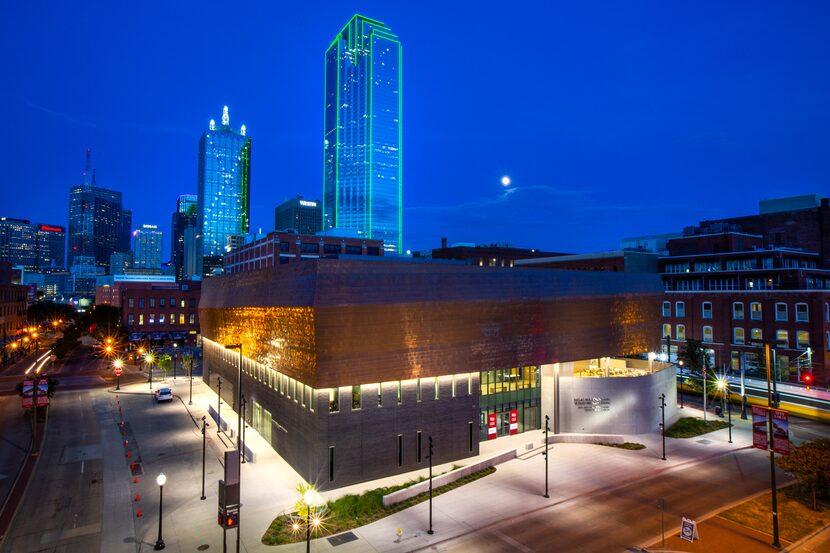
<point>505,181</point>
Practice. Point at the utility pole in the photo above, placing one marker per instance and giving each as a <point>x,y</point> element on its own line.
<point>663,424</point>
<point>773,485</point>
<point>547,430</point>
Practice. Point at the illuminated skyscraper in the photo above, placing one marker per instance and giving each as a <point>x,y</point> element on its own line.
<point>147,244</point>
<point>224,189</point>
<point>185,216</point>
<point>362,187</point>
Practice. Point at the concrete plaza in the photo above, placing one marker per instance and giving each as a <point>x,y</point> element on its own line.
<point>166,438</point>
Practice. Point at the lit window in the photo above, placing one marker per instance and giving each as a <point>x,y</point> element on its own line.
<point>755,312</point>
<point>708,335</point>
<point>707,310</point>
<point>782,338</point>
<point>680,332</point>
<point>802,339</point>
<point>666,330</point>
<point>680,309</point>
<point>757,335</point>
<point>738,335</point>
<point>667,309</point>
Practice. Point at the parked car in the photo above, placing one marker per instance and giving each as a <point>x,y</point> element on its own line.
<point>164,394</point>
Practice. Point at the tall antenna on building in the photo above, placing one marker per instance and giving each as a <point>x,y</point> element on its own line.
<point>93,176</point>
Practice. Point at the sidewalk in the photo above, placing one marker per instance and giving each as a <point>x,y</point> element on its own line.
<point>268,485</point>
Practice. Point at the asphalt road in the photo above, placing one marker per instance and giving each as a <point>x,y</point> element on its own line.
<point>15,437</point>
<point>62,509</point>
<point>624,518</point>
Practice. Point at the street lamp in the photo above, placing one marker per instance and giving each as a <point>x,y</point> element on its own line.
<point>308,497</point>
<point>723,386</point>
<point>681,384</point>
<point>149,360</point>
<point>175,355</point>
<point>161,479</point>
<point>118,364</point>
<point>238,426</point>
<point>662,399</point>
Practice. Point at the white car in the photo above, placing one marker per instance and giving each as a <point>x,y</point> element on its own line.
<point>164,394</point>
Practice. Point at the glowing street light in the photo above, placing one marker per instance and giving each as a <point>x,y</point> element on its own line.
<point>118,364</point>
<point>149,359</point>
<point>161,480</point>
<point>723,386</point>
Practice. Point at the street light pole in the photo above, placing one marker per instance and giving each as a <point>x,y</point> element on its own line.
<point>238,433</point>
<point>429,440</point>
<point>160,480</point>
<point>729,409</point>
<point>663,424</point>
<point>244,403</point>
<point>204,438</point>
<point>219,405</point>
<point>681,384</point>
<point>547,429</point>
<point>190,370</point>
<point>773,484</point>
<point>175,358</point>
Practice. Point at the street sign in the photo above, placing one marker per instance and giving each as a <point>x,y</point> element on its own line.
<point>688,530</point>
<point>759,427</point>
<point>491,426</point>
<point>514,421</point>
<point>780,432</point>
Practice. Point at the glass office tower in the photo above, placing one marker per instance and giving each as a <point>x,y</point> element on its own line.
<point>224,189</point>
<point>362,146</point>
<point>147,244</point>
<point>184,217</point>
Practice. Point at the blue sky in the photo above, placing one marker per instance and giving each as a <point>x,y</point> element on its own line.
<point>613,119</point>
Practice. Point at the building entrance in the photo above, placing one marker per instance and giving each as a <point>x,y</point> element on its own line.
<point>515,391</point>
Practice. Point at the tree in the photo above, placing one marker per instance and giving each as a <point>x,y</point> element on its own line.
<point>164,362</point>
<point>693,355</point>
<point>810,462</point>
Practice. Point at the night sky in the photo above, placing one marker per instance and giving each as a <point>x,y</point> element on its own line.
<point>612,119</point>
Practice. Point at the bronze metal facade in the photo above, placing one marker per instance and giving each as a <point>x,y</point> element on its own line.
<point>334,326</point>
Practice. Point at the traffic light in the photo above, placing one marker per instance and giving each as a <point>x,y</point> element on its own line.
<point>808,379</point>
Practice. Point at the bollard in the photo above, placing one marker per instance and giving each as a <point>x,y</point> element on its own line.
<point>138,514</point>
<point>137,497</point>
<point>129,455</point>
<point>135,480</point>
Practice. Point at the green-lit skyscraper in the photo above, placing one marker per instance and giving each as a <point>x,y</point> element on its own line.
<point>362,186</point>
<point>224,189</point>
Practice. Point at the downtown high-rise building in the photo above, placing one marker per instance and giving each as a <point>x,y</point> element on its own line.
<point>224,189</point>
<point>95,221</point>
<point>51,246</point>
<point>147,247</point>
<point>18,243</point>
<point>300,215</point>
<point>362,184</point>
<point>184,217</point>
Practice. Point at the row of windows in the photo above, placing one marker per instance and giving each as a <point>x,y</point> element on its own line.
<point>362,395</point>
<point>162,302</point>
<point>162,319</point>
<point>782,337</point>
<point>802,311</point>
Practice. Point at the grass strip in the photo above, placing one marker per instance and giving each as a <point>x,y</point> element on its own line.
<point>795,517</point>
<point>633,446</point>
<point>689,427</point>
<point>353,511</point>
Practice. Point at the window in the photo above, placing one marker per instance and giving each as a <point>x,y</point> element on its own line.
<point>141,303</point>
<point>284,246</point>
<point>354,250</point>
<point>400,450</point>
<point>827,312</point>
<point>469,384</point>
<point>356,397</point>
<point>707,309</point>
<point>400,392</point>
<point>172,318</point>
<point>141,319</point>
<point>334,400</point>
<point>181,318</point>
<point>310,398</point>
<point>436,387</point>
<point>151,319</point>
<point>309,247</point>
<point>738,311</point>
<point>470,436</point>
<point>667,309</point>
<point>161,302</point>
<point>756,335</point>
<point>802,339</point>
<point>681,332</point>
<point>453,385</point>
<point>418,390</point>
<point>130,319</point>
<point>192,318</point>
<point>172,302</point>
<point>738,335</point>
<point>802,312</point>
<point>181,302</point>
<point>152,302</point>
<point>161,318</point>
<point>331,463</point>
<point>708,335</point>
<point>666,330</point>
<point>380,394</point>
<point>755,312</point>
<point>780,311</point>
<point>782,338</point>
<point>331,248</point>
<point>131,303</point>
<point>680,309</point>
<point>418,446</point>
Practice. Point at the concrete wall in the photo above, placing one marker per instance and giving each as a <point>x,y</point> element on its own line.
<point>616,405</point>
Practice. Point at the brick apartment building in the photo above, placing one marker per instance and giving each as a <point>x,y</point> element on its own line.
<point>734,291</point>
<point>160,311</point>
<point>279,248</point>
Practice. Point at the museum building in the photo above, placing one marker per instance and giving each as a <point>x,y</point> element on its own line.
<point>350,364</point>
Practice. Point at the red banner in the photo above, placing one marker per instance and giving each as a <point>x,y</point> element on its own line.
<point>780,432</point>
<point>491,426</point>
<point>759,427</point>
<point>514,422</point>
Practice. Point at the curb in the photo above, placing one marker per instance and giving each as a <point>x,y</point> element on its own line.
<point>20,473</point>
<point>805,539</point>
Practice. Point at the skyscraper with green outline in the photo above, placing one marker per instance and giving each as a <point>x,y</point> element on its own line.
<point>362,185</point>
<point>224,189</point>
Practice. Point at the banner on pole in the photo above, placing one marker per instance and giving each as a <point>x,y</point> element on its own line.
<point>491,426</point>
<point>780,432</point>
<point>514,421</point>
<point>759,427</point>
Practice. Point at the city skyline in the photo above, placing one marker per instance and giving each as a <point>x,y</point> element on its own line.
<point>621,116</point>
